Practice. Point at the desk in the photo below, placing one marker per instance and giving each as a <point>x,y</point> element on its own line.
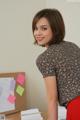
<point>44,115</point>
<point>16,116</point>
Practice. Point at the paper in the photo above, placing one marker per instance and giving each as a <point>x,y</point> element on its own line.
<point>1,90</point>
<point>30,111</point>
<point>32,117</point>
<point>31,114</point>
<point>12,85</point>
<point>20,79</point>
<point>20,90</point>
<point>2,117</point>
<point>11,99</point>
<point>5,105</point>
<point>62,113</point>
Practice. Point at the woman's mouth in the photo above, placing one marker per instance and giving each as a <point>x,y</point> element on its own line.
<point>39,38</point>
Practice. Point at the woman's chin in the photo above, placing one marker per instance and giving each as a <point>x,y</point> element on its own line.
<point>41,43</point>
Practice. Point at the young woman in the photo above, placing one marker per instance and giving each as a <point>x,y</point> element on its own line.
<point>59,64</point>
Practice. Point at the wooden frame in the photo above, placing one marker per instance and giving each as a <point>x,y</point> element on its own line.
<point>20,103</point>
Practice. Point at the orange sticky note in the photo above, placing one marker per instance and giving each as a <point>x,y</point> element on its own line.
<point>20,79</point>
<point>11,99</point>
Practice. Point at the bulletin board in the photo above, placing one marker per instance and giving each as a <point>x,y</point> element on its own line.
<point>12,92</point>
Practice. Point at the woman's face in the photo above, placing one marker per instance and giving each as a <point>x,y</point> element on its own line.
<point>43,33</point>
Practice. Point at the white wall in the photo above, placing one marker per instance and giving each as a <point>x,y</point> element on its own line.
<point>17,52</point>
<point>71,16</point>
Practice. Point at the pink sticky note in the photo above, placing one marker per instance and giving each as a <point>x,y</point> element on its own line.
<point>21,79</point>
<point>11,99</point>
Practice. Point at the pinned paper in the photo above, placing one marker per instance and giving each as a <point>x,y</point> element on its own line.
<point>11,99</point>
<point>20,79</point>
<point>20,90</point>
<point>12,85</point>
<point>12,93</point>
<point>1,90</point>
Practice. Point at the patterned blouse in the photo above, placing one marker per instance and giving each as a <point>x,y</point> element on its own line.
<point>63,61</point>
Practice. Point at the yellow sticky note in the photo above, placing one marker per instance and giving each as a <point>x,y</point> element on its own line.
<point>20,90</point>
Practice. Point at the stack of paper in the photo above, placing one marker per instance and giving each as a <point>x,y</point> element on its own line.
<point>32,114</point>
<point>61,113</point>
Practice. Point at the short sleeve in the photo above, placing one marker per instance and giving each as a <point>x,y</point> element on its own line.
<point>45,65</point>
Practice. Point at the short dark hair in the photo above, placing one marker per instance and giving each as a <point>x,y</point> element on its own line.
<point>56,22</point>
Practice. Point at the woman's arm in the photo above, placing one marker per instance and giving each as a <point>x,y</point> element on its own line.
<point>51,87</point>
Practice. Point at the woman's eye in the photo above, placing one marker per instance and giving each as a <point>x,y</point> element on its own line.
<point>41,28</point>
<point>44,28</point>
<point>36,28</point>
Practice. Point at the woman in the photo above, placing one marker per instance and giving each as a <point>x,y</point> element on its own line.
<point>59,64</point>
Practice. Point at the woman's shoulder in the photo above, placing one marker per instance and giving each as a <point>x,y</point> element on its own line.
<point>71,43</point>
<point>45,56</point>
<point>42,56</point>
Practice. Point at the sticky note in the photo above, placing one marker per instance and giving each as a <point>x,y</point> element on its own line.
<point>12,85</point>
<point>11,99</point>
<point>20,79</point>
<point>20,90</point>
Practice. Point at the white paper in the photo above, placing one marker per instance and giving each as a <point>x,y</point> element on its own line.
<point>32,117</point>
<point>2,117</point>
<point>61,113</point>
<point>30,111</point>
<point>31,114</point>
<point>5,105</point>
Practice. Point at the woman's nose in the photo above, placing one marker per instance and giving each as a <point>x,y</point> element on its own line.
<point>38,32</point>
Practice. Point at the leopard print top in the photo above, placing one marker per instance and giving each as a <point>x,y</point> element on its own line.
<point>63,61</point>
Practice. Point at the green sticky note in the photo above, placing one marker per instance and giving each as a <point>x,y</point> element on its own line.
<point>20,90</point>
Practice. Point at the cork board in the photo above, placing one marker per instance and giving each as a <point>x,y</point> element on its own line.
<point>17,98</point>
